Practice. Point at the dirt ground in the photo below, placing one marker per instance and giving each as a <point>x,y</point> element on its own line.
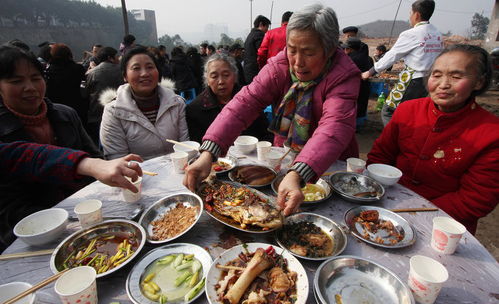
<point>488,227</point>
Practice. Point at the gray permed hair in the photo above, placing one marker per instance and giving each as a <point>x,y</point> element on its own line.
<point>320,19</point>
<point>215,57</point>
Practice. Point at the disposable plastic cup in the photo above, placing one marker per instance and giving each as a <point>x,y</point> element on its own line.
<point>426,277</point>
<point>446,234</point>
<point>274,160</point>
<point>77,286</point>
<point>356,165</point>
<point>89,212</point>
<point>179,160</point>
<point>129,196</point>
<point>262,149</point>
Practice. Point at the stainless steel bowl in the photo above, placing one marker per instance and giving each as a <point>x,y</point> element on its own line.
<point>356,188</point>
<point>328,226</point>
<point>72,242</point>
<point>233,172</point>
<point>321,182</point>
<point>159,208</point>
<point>358,280</point>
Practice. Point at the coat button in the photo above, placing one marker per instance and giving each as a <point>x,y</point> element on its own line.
<point>424,157</point>
<point>437,130</point>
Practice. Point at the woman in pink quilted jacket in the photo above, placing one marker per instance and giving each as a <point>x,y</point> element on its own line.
<point>312,86</point>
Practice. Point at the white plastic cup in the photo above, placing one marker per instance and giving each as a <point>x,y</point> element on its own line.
<point>78,285</point>
<point>89,212</point>
<point>426,277</point>
<point>274,160</point>
<point>262,149</point>
<point>128,195</point>
<point>446,234</point>
<point>356,165</point>
<point>179,160</point>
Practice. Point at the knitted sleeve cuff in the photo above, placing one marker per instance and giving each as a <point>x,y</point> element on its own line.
<point>211,147</point>
<point>304,171</point>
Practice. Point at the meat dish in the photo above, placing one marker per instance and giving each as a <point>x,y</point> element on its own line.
<point>306,239</point>
<point>253,175</point>
<point>376,229</point>
<point>257,277</point>
<point>174,222</point>
<point>240,204</point>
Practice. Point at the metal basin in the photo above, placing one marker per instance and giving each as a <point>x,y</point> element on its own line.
<point>356,188</point>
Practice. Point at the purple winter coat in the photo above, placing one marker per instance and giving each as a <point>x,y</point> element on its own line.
<point>334,110</point>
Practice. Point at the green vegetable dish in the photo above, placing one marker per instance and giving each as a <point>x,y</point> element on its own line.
<point>172,278</point>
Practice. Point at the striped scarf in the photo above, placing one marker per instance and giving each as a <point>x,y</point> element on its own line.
<point>293,117</point>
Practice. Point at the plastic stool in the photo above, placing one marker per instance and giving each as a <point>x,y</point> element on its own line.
<point>189,95</point>
<point>268,113</point>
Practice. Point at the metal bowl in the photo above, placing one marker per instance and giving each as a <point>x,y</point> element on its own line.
<point>358,280</point>
<point>321,182</point>
<point>232,175</point>
<point>68,245</point>
<point>141,267</point>
<point>351,186</point>
<point>159,208</point>
<point>399,222</point>
<point>328,226</point>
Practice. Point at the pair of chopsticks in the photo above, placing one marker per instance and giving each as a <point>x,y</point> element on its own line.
<point>25,254</point>
<point>414,210</point>
<point>181,144</point>
<point>36,287</point>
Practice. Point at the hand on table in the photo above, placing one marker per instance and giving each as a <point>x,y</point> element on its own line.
<point>113,172</point>
<point>289,196</point>
<point>197,171</point>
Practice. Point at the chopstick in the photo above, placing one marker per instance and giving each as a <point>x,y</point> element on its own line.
<point>181,144</point>
<point>414,210</point>
<point>36,287</point>
<point>25,254</point>
<point>149,173</point>
<point>228,267</point>
<point>285,154</point>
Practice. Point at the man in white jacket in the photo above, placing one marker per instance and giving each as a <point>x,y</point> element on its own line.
<point>418,47</point>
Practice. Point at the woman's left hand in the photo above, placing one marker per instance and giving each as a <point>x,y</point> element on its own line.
<point>289,196</point>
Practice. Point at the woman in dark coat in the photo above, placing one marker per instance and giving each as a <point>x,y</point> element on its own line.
<point>220,74</point>
<point>181,71</point>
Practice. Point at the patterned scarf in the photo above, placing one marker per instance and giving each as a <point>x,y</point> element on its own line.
<point>293,117</point>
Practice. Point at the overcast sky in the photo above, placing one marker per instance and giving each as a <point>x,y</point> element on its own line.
<point>185,17</point>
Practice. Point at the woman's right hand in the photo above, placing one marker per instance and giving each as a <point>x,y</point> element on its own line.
<point>198,171</point>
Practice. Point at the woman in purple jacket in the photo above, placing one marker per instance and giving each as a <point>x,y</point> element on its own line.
<point>313,87</point>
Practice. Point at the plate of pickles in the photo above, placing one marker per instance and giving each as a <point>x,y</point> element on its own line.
<point>173,273</point>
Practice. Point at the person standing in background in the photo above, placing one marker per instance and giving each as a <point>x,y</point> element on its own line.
<point>236,52</point>
<point>418,46</point>
<point>274,41</point>
<point>352,31</point>
<point>127,43</point>
<point>251,45</point>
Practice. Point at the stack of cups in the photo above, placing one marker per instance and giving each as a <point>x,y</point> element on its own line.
<point>446,234</point>
<point>89,212</point>
<point>426,277</point>
<point>262,149</point>
<point>77,286</point>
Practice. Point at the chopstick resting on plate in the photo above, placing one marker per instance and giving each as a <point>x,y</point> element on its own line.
<point>25,254</point>
<point>36,287</point>
<point>414,210</point>
<point>181,144</point>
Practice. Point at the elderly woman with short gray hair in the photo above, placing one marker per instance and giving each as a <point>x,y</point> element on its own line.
<point>312,86</point>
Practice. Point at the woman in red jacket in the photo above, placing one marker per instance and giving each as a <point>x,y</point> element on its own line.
<point>446,145</point>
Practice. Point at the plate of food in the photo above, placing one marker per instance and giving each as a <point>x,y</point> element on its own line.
<point>356,188</point>
<point>271,272</point>
<point>311,236</point>
<point>253,175</point>
<point>107,247</point>
<point>224,164</point>
<point>171,217</point>
<point>351,279</point>
<point>314,193</point>
<point>240,207</point>
<point>380,227</point>
<point>174,273</point>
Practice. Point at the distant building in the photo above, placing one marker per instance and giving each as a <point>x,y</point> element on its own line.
<point>148,16</point>
<point>212,31</point>
<point>492,37</point>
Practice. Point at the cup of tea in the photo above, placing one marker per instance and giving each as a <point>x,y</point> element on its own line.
<point>89,212</point>
<point>426,277</point>
<point>77,286</point>
<point>446,234</point>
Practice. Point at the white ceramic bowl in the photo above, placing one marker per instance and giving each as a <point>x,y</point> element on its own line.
<point>192,152</point>
<point>42,227</point>
<point>10,290</point>
<point>385,174</point>
<point>246,144</point>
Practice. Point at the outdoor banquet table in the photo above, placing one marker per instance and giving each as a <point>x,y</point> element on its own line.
<point>473,272</point>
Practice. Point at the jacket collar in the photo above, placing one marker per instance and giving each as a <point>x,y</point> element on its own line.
<point>126,102</point>
<point>457,115</point>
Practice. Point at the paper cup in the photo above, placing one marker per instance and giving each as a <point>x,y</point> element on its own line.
<point>77,286</point>
<point>262,149</point>
<point>274,160</point>
<point>89,212</point>
<point>446,234</point>
<point>128,195</point>
<point>356,165</point>
<point>179,160</point>
<point>426,277</point>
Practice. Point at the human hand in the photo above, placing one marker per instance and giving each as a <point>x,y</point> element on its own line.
<point>365,75</point>
<point>197,171</point>
<point>113,172</point>
<point>289,196</point>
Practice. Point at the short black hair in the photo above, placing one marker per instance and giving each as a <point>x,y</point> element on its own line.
<point>11,55</point>
<point>19,44</point>
<point>128,39</point>
<point>261,20</point>
<point>381,48</point>
<point>349,29</point>
<point>211,48</point>
<point>286,16</point>
<point>425,8</point>
<point>204,45</point>
<point>136,51</point>
<point>105,53</point>
<point>162,47</point>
